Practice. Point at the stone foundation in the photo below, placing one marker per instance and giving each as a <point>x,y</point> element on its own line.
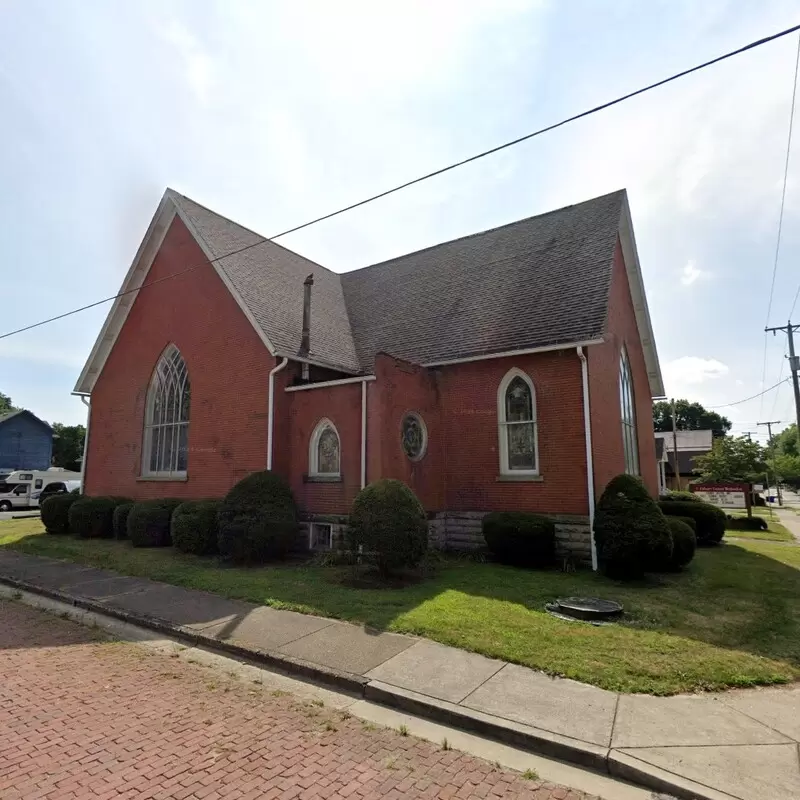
<point>461,530</point>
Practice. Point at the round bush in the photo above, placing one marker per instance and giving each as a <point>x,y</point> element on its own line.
<point>684,543</point>
<point>678,496</point>
<point>710,520</point>
<point>93,517</point>
<point>631,534</point>
<point>148,522</point>
<point>194,527</point>
<point>519,538</point>
<point>746,523</point>
<point>388,524</point>
<point>121,520</point>
<point>55,512</point>
<point>257,520</point>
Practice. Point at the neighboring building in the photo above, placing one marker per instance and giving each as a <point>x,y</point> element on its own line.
<point>477,371</point>
<point>26,442</point>
<point>690,445</point>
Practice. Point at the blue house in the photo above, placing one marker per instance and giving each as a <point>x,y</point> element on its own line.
<point>26,442</point>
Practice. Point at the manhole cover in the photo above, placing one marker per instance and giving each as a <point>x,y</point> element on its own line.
<point>588,608</point>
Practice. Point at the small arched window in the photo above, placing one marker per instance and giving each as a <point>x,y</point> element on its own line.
<point>630,441</point>
<point>324,451</point>
<point>516,415</point>
<point>166,423</point>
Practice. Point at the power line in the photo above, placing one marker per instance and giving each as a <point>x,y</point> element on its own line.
<point>435,173</point>
<point>780,219</point>
<point>739,402</point>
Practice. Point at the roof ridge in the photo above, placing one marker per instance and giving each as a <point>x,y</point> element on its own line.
<point>265,239</point>
<point>400,257</point>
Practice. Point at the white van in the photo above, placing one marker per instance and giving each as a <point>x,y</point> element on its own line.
<point>22,488</point>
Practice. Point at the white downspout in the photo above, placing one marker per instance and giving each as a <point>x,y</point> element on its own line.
<point>271,408</point>
<point>363,434</point>
<point>587,427</point>
<point>85,442</point>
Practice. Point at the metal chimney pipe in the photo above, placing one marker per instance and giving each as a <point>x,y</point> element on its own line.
<point>305,341</point>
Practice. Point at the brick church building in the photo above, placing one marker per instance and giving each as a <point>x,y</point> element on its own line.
<point>508,370</point>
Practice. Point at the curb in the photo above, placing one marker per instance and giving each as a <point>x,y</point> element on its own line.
<point>595,757</point>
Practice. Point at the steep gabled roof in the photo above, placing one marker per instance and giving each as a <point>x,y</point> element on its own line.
<point>269,280</point>
<point>539,283</point>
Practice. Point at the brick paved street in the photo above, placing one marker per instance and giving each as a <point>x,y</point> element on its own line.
<point>83,717</point>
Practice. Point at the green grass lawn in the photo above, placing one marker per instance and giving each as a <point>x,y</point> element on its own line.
<point>732,619</point>
<point>775,532</point>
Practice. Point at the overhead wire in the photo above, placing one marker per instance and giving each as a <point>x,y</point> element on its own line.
<point>442,170</point>
<point>780,222</point>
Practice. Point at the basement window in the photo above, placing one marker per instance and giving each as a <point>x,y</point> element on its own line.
<point>320,536</point>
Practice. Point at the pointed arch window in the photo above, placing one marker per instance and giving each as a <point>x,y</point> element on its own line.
<point>324,451</point>
<point>516,415</point>
<point>630,440</point>
<point>166,424</point>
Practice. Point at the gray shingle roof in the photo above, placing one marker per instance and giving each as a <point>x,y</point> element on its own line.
<point>538,282</point>
<point>269,278</point>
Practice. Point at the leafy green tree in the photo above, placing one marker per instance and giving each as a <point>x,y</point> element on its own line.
<point>732,458</point>
<point>6,406</point>
<point>688,417</point>
<point>68,445</point>
<point>786,443</point>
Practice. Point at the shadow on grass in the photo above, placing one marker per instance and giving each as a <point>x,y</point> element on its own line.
<point>733,600</point>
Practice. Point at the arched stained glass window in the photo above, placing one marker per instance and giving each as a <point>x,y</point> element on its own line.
<point>516,412</point>
<point>166,424</point>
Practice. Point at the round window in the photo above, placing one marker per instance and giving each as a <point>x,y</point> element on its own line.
<point>415,436</point>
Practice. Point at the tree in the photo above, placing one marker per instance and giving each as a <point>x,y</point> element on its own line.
<point>68,445</point>
<point>732,458</point>
<point>6,406</point>
<point>785,443</point>
<point>688,417</point>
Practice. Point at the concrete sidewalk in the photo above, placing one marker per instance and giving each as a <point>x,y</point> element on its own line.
<point>790,521</point>
<point>740,744</point>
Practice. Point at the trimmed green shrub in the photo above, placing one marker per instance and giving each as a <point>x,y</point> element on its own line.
<point>257,520</point>
<point>121,520</point>
<point>678,496</point>
<point>55,512</point>
<point>688,520</point>
<point>519,538</point>
<point>388,524</point>
<point>194,527</point>
<point>93,517</point>
<point>631,534</point>
<point>746,523</point>
<point>710,520</point>
<point>149,520</point>
<point>684,543</point>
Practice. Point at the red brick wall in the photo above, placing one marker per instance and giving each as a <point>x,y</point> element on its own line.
<point>401,388</point>
<point>304,409</point>
<point>228,368</point>
<point>609,457</point>
<point>469,416</point>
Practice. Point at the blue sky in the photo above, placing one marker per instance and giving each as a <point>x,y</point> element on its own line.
<point>272,113</point>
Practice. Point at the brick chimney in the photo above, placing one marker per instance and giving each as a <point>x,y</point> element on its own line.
<point>305,341</point>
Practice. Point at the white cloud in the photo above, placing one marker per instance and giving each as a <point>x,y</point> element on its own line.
<point>691,273</point>
<point>19,348</point>
<point>692,370</point>
<point>197,63</point>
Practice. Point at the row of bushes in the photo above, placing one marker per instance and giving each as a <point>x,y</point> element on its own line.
<point>256,522</point>
<point>746,523</point>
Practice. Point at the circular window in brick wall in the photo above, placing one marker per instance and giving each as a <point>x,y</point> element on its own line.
<point>414,436</point>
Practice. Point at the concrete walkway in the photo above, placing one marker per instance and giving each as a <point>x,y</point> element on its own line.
<point>739,744</point>
<point>789,520</point>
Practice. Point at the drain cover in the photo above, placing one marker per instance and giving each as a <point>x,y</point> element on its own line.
<point>588,608</point>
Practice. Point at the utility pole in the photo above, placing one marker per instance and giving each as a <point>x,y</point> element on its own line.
<point>748,434</point>
<point>794,365</point>
<point>769,425</point>
<point>675,445</point>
